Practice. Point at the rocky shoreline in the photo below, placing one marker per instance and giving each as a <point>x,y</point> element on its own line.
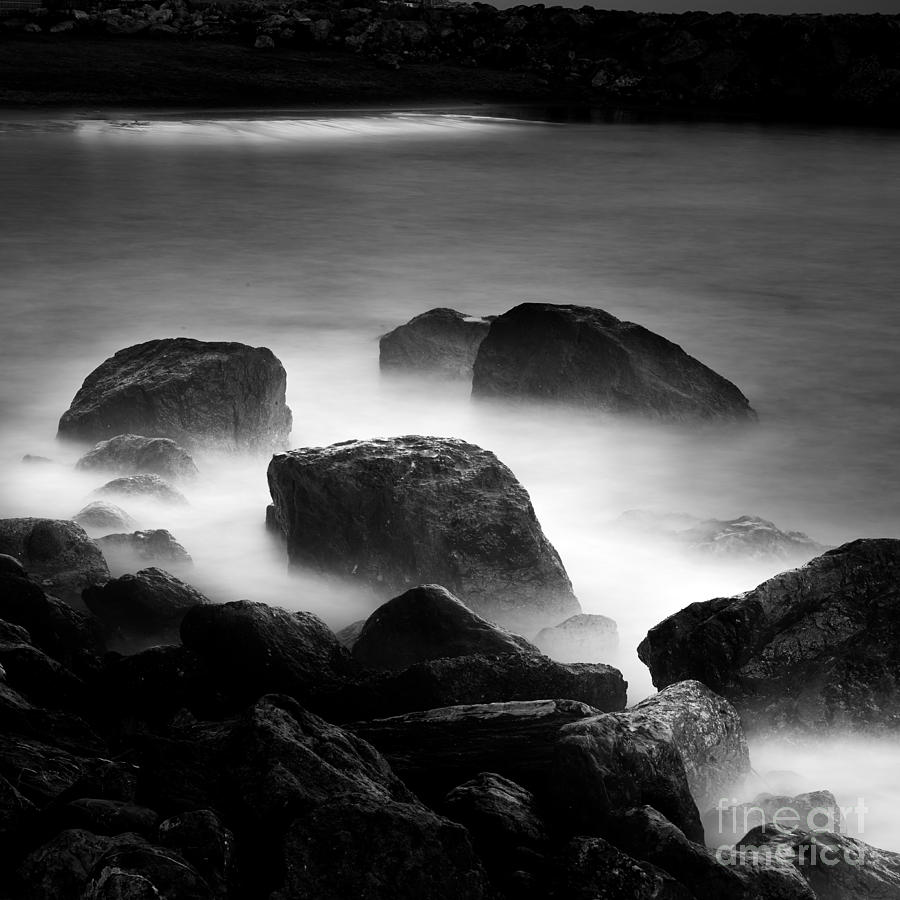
<point>829,68</point>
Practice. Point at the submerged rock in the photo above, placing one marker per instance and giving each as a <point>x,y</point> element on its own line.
<point>587,357</point>
<point>224,396</point>
<point>133,454</point>
<point>813,647</point>
<point>428,622</point>
<point>582,638</point>
<point>405,511</point>
<point>102,518</point>
<point>150,486</point>
<point>440,341</point>
<point>57,554</point>
<point>126,551</point>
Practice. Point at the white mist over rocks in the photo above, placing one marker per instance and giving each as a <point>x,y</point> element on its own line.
<point>767,253</point>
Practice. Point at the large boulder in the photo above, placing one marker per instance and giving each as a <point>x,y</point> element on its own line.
<point>810,648</point>
<point>124,552</point>
<point>587,357</point>
<point>582,638</point>
<point>148,605</point>
<point>428,622</point>
<point>219,395</point>
<point>132,454</point>
<point>440,341</point>
<point>400,512</point>
<point>142,486</point>
<point>56,553</point>
<point>100,517</point>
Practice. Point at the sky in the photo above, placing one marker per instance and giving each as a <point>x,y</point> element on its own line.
<point>758,6</point>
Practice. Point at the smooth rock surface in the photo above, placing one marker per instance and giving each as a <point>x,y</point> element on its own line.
<point>142,486</point>
<point>100,518</point>
<point>133,454</point>
<point>581,638</point>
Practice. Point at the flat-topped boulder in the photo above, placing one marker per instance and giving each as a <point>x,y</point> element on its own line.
<point>399,512</point>
<point>581,638</point>
<point>223,396</point>
<point>810,648</point>
<point>586,357</point>
<point>132,454</point>
<point>441,341</point>
<point>428,622</point>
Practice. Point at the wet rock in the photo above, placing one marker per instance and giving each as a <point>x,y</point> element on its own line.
<point>224,395</point>
<point>440,341</point>
<point>586,357</point>
<point>428,622</point>
<point>582,638</point>
<point>57,554</point>
<point>102,518</point>
<point>149,486</point>
<point>203,840</point>
<point>405,511</point>
<point>132,454</point>
<point>437,749</point>
<point>148,605</point>
<point>171,875</point>
<point>128,551</point>
<point>813,647</point>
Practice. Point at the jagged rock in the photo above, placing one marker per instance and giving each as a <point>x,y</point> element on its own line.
<point>475,679</point>
<point>441,341</point>
<point>147,605</point>
<point>428,622</point>
<point>582,638</point>
<point>255,648</point>
<point>813,647</point>
<point>223,395</point>
<point>412,510</point>
<point>127,551</point>
<point>133,454</point>
<point>205,842</point>
<point>707,731</point>
<point>436,749</point>
<point>57,554</point>
<point>150,486</point>
<point>102,518</point>
<point>585,356</point>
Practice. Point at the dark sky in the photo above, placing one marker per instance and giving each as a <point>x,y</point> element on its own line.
<point>759,6</point>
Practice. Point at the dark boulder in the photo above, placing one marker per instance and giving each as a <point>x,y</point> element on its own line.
<point>405,511</point>
<point>57,554</point>
<point>440,341</point>
<point>143,486</point>
<point>585,356</point>
<point>17,817</point>
<point>100,518</point>
<point>124,552</point>
<point>438,749</point>
<point>133,454</point>
<point>40,679</point>
<point>9,565</point>
<point>101,816</point>
<point>428,622</point>
<point>349,635</point>
<point>813,647</point>
<point>582,638</point>
<point>222,395</point>
<point>146,606</point>
<point>205,842</point>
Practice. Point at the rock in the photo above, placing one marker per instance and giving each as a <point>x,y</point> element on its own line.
<point>437,749</point>
<point>9,565</point>
<point>254,649</point>
<point>132,454</point>
<point>586,357</point>
<point>17,816</point>
<point>811,648</point>
<point>387,851</point>
<point>59,27</point>
<point>226,396</point>
<point>40,679</point>
<point>405,511</point>
<point>264,42</point>
<point>582,638</point>
<point>114,884</point>
<point>608,764</point>
<point>147,605</point>
<point>428,622</point>
<point>31,459</point>
<point>102,518</point>
<point>57,554</point>
<point>110,817</point>
<point>440,341</point>
<point>707,731</point>
<point>128,551</point>
<point>150,486</point>
<point>203,840</point>
<point>171,875</point>
<point>350,635</point>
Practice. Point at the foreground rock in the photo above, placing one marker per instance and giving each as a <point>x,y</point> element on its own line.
<point>151,487</point>
<point>813,647</point>
<point>440,341</point>
<point>56,553</point>
<point>132,454</point>
<point>129,551</point>
<point>412,510</point>
<point>101,518</point>
<point>585,356</point>
<point>582,638</point>
<point>224,396</point>
<point>428,622</point>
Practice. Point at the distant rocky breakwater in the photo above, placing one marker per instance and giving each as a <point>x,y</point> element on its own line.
<point>835,67</point>
<point>154,743</point>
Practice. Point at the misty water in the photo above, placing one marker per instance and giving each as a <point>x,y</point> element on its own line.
<point>770,253</point>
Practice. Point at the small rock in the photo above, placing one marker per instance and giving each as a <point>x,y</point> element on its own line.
<point>102,518</point>
<point>132,454</point>
<point>144,485</point>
